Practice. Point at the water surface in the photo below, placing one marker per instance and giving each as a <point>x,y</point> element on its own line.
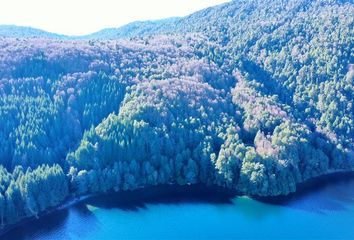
<point>321,210</point>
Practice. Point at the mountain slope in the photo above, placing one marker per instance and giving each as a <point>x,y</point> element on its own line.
<point>134,29</point>
<point>255,96</point>
<point>26,32</point>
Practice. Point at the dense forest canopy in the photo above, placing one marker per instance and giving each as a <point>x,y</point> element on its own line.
<point>255,96</point>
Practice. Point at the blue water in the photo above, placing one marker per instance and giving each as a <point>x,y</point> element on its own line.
<point>318,212</point>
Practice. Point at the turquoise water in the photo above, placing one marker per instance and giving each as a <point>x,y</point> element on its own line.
<point>320,212</point>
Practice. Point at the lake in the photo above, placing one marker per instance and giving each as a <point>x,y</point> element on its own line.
<point>322,209</point>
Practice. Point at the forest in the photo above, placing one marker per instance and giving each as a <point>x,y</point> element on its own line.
<point>256,96</point>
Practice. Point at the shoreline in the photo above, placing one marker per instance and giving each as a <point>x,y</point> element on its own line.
<point>71,201</point>
<point>302,188</point>
<point>308,185</point>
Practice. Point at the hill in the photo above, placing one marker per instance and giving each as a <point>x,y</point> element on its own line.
<point>255,96</point>
<point>134,29</point>
<point>26,32</point>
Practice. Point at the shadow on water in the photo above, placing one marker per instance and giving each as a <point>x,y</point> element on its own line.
<point>58,224</point>
<point>136,200</point>
<point>321,195</point>
<point>53,225</point>
<point>46,224</point>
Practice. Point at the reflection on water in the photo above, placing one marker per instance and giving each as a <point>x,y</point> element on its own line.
<point>322,195</point>
<point>58,225</point>
<point>321,209</point>
<point>137,200</point>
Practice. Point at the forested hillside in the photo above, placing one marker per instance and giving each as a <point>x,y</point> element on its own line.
<point>134,29</point>
<point>255,96</point>
<point>22,32</point>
